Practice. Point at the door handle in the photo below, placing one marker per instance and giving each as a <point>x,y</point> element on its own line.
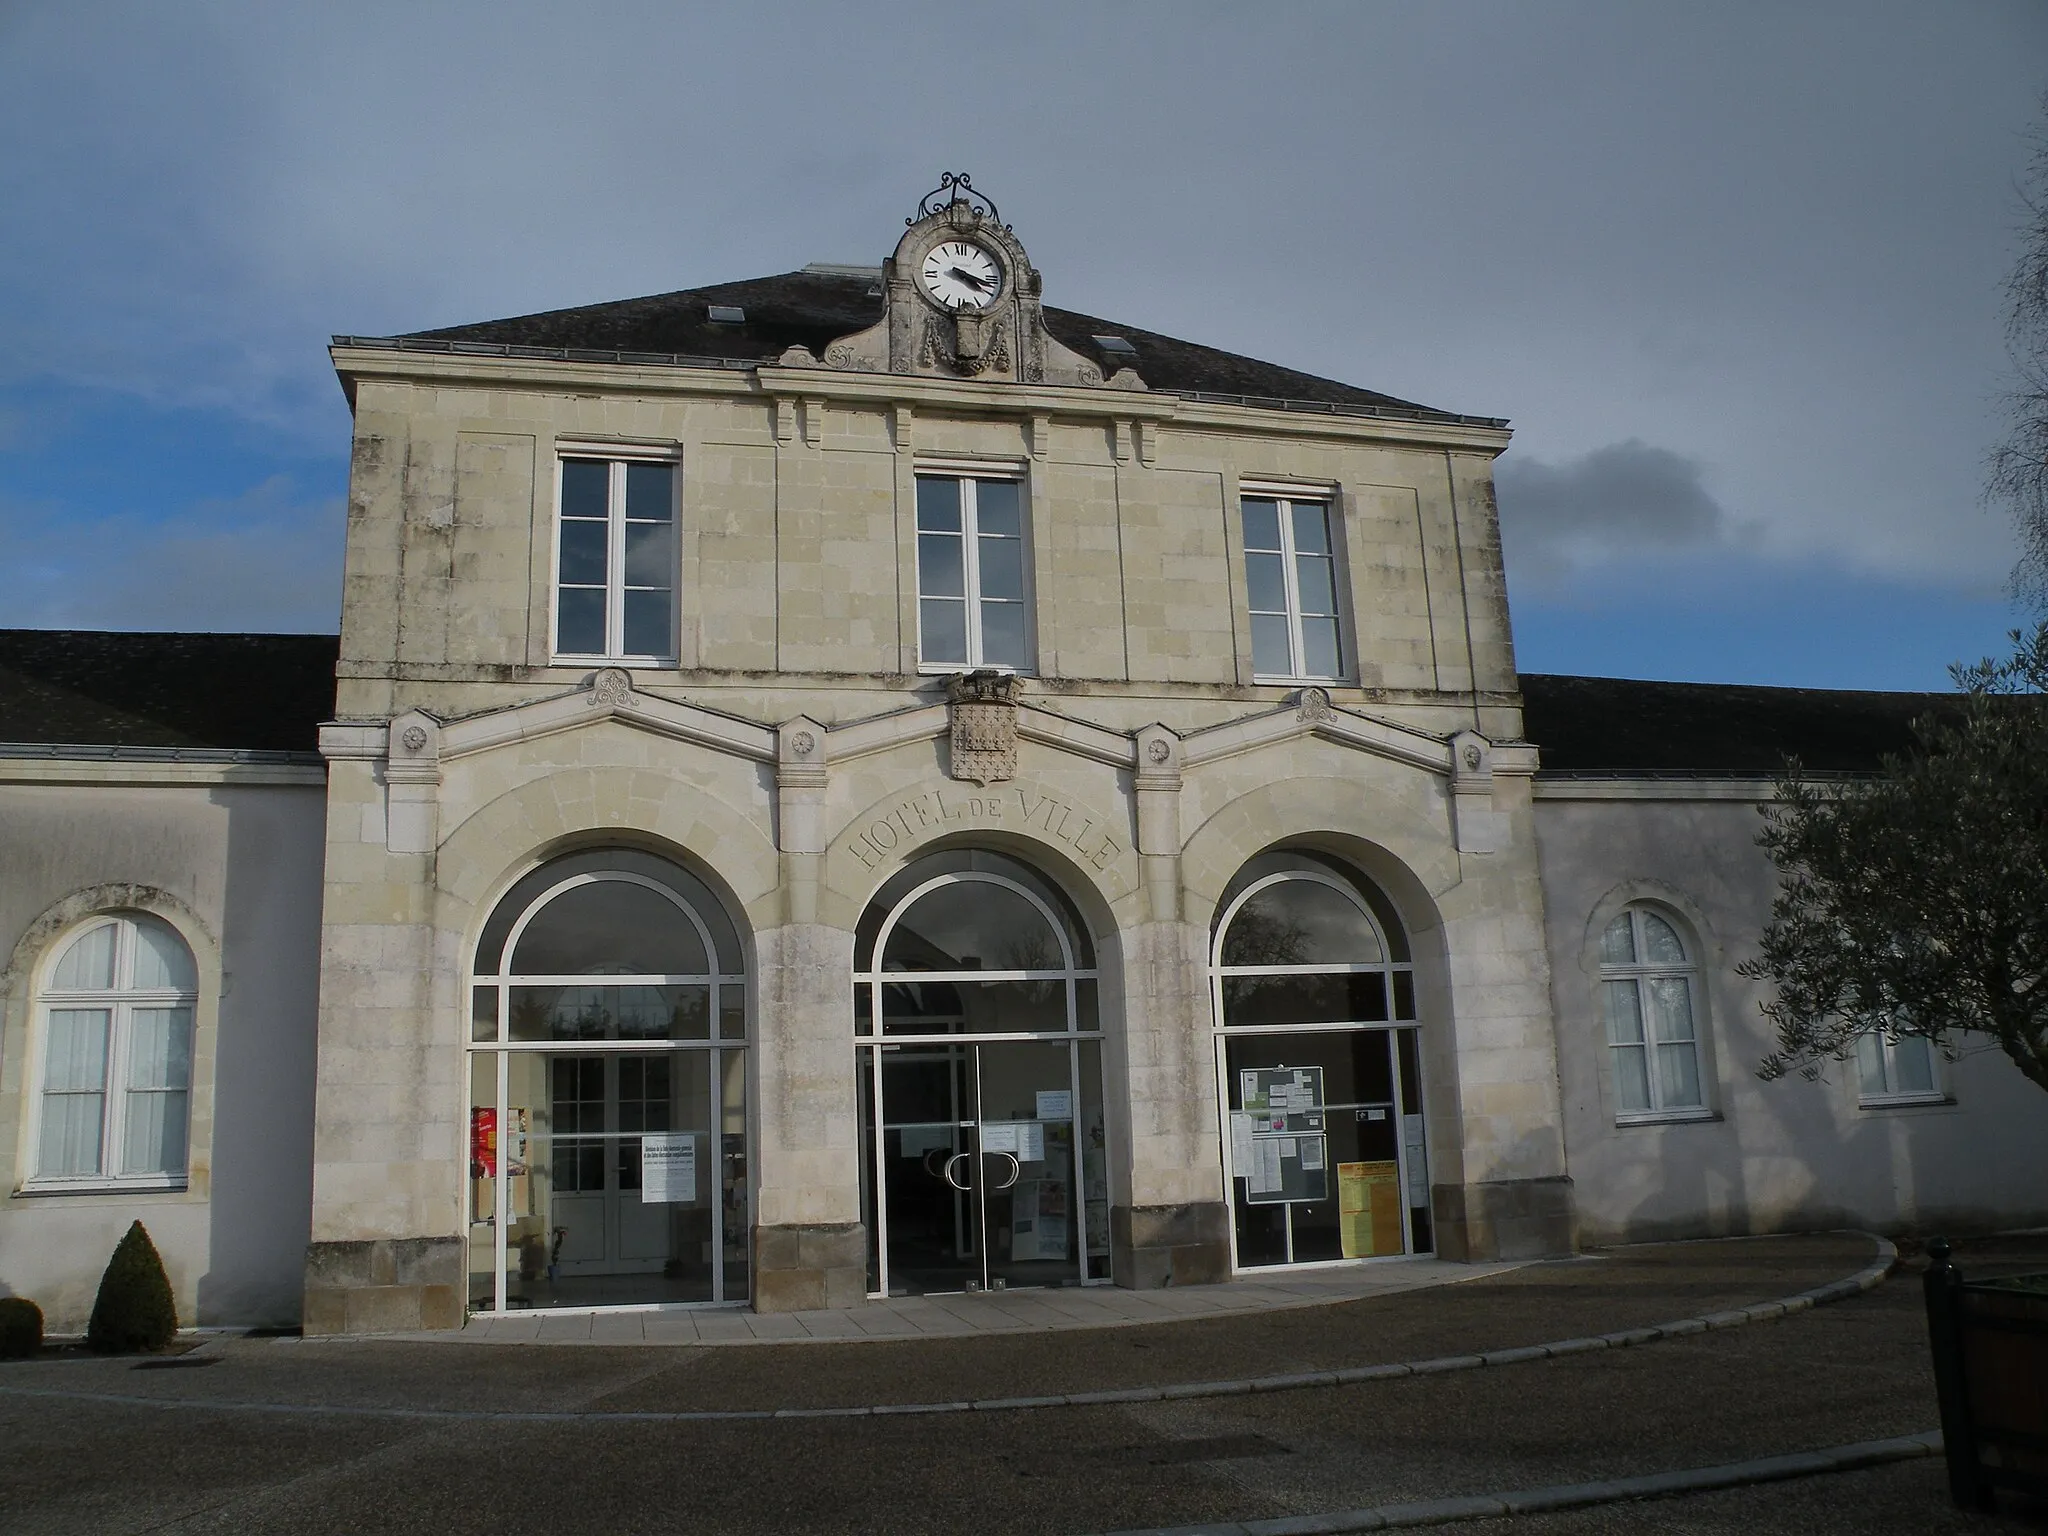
<point>1016,1168</point>
<point>952,1162</point>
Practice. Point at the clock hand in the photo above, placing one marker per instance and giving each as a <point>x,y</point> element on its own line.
<point>979,284</point>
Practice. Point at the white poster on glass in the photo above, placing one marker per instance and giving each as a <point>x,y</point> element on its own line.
<point>668,1168</point>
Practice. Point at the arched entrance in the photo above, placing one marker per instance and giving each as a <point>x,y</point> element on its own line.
<point>608,1147</point>
<point>1319,1064</point>
<point>978,1033</point>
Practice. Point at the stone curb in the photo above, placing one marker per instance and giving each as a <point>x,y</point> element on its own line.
<point>1854,1285</point>
<point>1529,1501</point>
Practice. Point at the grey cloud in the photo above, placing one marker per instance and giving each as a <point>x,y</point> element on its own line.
<point>1625,500</point>
<point>1804,219</point>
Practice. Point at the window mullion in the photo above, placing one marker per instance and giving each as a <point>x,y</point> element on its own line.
<point>113,1109</point>
<point>970,568</point>
<point>1297,647</point>
<point>615,560</point>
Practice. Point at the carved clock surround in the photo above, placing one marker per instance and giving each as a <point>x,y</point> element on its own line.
<point>1006,341</point>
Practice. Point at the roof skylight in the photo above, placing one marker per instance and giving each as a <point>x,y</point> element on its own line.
<point>725,314</point>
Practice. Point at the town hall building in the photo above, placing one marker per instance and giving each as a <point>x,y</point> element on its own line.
<point>861,782</point>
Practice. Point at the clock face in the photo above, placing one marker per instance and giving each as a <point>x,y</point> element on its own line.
<point>959,275</point>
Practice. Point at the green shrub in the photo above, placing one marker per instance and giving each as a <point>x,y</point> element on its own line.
<point>21,1328</point>
<point>134,1309</point>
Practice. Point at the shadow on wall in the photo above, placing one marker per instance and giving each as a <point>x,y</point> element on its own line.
<point>264,1059</point>
<point>1784,1158</point>
<point>1523,1210</point>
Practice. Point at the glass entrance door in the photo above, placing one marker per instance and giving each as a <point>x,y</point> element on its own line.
<point>984,1160</point>
<point>979,1166</point>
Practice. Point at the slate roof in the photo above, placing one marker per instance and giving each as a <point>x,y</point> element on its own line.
<point>263,693</point>
<point>1621,727</point>
<point>812,309</point>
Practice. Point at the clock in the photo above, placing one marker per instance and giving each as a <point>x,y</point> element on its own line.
<point>959,275</point>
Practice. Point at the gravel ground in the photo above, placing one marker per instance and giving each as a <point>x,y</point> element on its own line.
<point>1855,1370</point>
<point>1911,1497</point>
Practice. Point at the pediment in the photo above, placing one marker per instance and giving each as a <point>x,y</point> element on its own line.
<point>610,695</point>
<point>1314,714</point>
<point>810,748</point>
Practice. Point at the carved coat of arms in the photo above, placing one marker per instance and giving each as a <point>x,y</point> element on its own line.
<point>984,727</point>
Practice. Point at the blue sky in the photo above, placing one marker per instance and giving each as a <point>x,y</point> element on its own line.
<point>1733,271</point>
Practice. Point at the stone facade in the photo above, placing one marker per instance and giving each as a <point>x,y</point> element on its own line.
<point>798,755</point>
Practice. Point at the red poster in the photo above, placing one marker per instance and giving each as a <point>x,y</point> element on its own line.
<point>483,1143</point>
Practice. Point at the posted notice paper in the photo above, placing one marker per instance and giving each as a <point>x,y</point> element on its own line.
<point>668,1167</point>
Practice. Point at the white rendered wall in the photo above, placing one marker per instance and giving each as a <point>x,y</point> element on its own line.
<point>1776,1156</point>
<point>235,866</point>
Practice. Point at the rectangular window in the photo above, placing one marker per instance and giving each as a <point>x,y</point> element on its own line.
<point>1896,1069</point>
<point>1656,1054</point>
<point>971,602</point>
<point>616,559</point>
<point>1290,572</point>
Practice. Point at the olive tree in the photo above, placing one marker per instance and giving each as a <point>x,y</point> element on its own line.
<point>2019,464</point>
<point>1915,902</point>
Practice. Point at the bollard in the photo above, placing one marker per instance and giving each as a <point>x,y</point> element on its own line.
<point>1967,1485</point>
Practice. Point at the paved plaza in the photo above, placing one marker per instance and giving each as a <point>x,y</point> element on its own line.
<point>1001,1311</point>
<point>1251,1408</point>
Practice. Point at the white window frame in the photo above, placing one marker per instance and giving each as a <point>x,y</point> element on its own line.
<point>1893,1096</point>
<point>499,1048</point>
<point>1639,973</point>
<point>869,1043</point>
<point>618,456</point>
<point>1412,1162</point>
<point>966,473</point>
<point>1288,498</point>
<point>120,1002</point>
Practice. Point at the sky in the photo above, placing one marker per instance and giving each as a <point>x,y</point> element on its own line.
<point>1733,271</point>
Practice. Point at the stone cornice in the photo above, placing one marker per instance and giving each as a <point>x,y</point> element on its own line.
<point>769,382</point>
<point>1756,791</point>
<point>90,765</point>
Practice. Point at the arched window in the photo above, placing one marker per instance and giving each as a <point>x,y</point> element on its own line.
<point>608,1113</point>
<point>117,1057</point>
<point>1321,1066</point>
<point>979,1044</point>
<point>1649,989</point>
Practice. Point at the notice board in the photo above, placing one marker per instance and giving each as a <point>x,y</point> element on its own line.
<point>1277,1140</point>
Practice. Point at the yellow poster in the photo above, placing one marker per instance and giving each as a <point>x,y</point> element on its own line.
<point>1369,1209</point>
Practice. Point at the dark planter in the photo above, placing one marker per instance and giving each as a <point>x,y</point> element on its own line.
<point>1990,1344</point>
